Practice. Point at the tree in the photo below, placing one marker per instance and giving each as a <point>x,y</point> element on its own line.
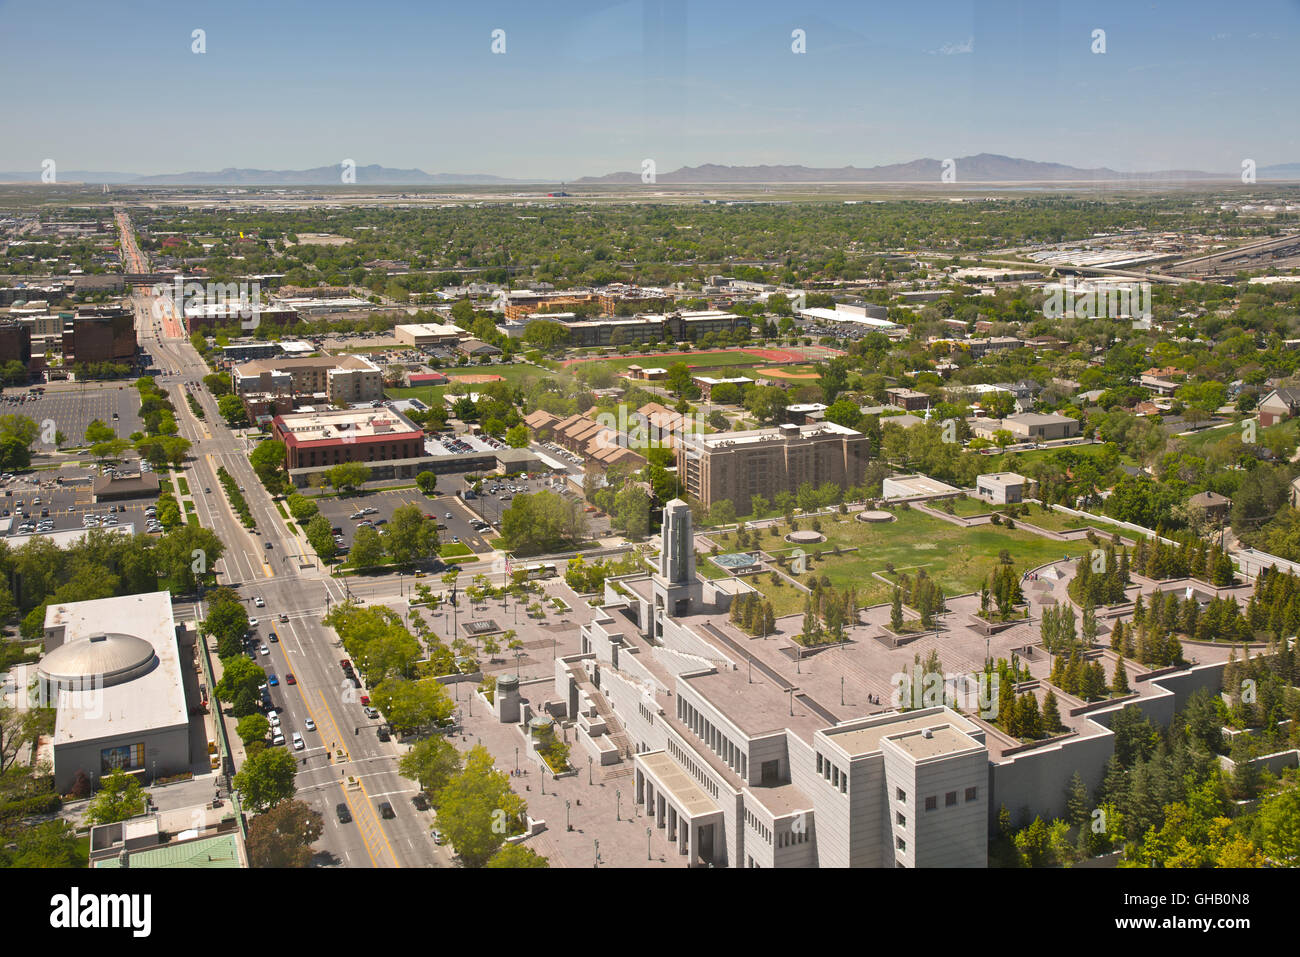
<point>367,548</point>
<point>282,835</point>
<point>410,536</point>
<point>267,778</point>
<point>413,705</point>
<point>268,460</point>
<point>896,610</point>
<point>432,761</point>
<point>1277,826</point>
<point>97,431</point>
<point>227,621</point>
<point>427,482</point>
<point>320,536</point>
<point>301,507</point>
<point>232,410</point>
<point>478,809</point>
<point>1051,713</point>
<point>347,475</point>
<point>252,727</point>
<point>517,436</point>
<point>516,855</point>
<point>239,675</point>
<point>120,797</point>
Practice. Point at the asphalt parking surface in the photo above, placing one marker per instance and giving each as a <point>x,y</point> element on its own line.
<point>66,503</point>
<point>71,408</point>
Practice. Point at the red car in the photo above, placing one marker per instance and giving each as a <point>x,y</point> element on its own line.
<point>289,679</point>
<point>345,663</point>
<point>365,699</point>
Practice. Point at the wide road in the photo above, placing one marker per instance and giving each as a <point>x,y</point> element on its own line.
<point>289,582</point>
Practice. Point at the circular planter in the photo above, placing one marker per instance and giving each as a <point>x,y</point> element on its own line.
<point>805,536</point>
<point>875,516</point>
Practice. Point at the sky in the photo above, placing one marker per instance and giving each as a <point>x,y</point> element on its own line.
<point>587,88</point>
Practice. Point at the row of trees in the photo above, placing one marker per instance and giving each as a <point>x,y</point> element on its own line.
<point>753,615</point>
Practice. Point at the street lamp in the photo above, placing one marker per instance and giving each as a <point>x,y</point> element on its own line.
<point>567,825</point>
<point>589,769</point>
<point>618,805</point>
<point>648,855</point>
<point>596,863</point>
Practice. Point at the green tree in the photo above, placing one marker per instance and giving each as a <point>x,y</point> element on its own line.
<point>367,549</point>
<point>347,475</point>
<point>432,761</point>
<point>267,778</point>
<point>413,705</point>
<point>320,536</point>
<point>252,727</point>
<point>478,809</point>
<point>410,536</point>
<point>120,797</point>
<point>516,855</point>
<point>239,674</point>
<point>427,482</point>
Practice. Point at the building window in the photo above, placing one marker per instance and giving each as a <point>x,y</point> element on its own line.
<point>932,803</point>
<point>972,794</point>
<point>902,821</point>
<point>819,762</point>
<point>900,844</point>
<point>950,799</point>
<point>900,795</point>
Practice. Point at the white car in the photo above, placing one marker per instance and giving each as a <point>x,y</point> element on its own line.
<point>264,650</point>
<point>258,602</point>
<point>252,623</point>
<point>298,742</point>
<point>274,718</point>
<point>309,724</point>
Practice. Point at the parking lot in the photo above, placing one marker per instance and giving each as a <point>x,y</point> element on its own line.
<point>384,502</point>
<point>73,406</point>
<point>52,507</point>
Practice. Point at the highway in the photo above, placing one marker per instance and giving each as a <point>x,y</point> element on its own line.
<point>269,563</point>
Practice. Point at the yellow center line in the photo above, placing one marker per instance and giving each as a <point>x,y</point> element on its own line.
<point>369,807</point>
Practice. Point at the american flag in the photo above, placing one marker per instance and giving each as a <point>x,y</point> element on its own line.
<point>507,564</point>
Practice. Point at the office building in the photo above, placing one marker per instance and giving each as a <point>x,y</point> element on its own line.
<point>739,465</point>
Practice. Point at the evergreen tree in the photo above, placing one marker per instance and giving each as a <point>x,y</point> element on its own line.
<point>1119,683</point>
<point>896,610</point>
<point>1051,713</point>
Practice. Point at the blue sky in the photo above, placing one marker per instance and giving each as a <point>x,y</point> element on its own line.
<point>590,87</point>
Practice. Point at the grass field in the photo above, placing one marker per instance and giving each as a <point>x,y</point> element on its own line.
<point>1288,433</point>
<point>958,559</point>
<point>695,360</point>
<point>453,550</point>
<point>1055,521</point>
<point>514,374</point>
<point>1010,461</point>
<point>967,507</point>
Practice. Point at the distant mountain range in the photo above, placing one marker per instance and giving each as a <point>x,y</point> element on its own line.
<point>372,175</point>
<point>981,168</point>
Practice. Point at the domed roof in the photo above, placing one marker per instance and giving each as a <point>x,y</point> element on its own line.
<point>113,657</point>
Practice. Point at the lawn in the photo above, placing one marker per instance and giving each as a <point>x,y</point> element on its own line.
<point>453,550</point>
<point>695,360</point>
<point>515,374</point>
<point>966,507</point>
<point>1055,521</point>
<point>959,559</point>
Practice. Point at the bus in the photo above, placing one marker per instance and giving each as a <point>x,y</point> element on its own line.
<point>541,570</point>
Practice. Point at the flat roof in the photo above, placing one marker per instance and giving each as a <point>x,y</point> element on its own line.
<point>754,436</point>
<point>932,742</point>
<point>153,700</point>
<point>920,484</point>
<point>1002,478</point>
<point>346,424</point>
<point>688,795</point>
<point>858,741</point>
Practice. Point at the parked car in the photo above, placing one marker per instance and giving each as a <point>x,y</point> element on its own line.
<point>344,815</point>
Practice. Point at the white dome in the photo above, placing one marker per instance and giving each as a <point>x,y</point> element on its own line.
<point>112,659</point>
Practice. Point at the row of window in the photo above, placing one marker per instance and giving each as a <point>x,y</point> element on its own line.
<point>932,802</point>
<point>839,779</point>
<point>763,831</point>
<point>717,742</point>
<point>685,760</point>
<point>646,714</point>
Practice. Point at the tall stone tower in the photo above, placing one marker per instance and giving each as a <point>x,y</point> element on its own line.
<point>676,588</point>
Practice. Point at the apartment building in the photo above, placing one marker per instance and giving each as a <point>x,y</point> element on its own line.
<point>388,442</point>
<point>351,378</point>
<point>738,465</point>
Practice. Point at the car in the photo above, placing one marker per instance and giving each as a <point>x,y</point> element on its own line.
<point>273,680</point>
<point>45,513</point>
<point>298,742</point>
<point>427,515</point>
<point>309,725</point>
<point>344,815</point>
<point>437,837</point>
<point>274,718</point>
<point>264,650</point>
<point>455,539</point>
<point>370,712</point>
<point>419,800</point>
<point>277,736</point>
<point>284,616</point>
<point>289,679</point>
<point>448,515</point>
<point>252,623</point>
<point>274,636</point>
<point>386,810</point>
<point>365,701</point>
<point>357,515</point>
<point>345,663</point>
<point>382,733</point>
<point>257,600</point>
<point>207,491</point>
